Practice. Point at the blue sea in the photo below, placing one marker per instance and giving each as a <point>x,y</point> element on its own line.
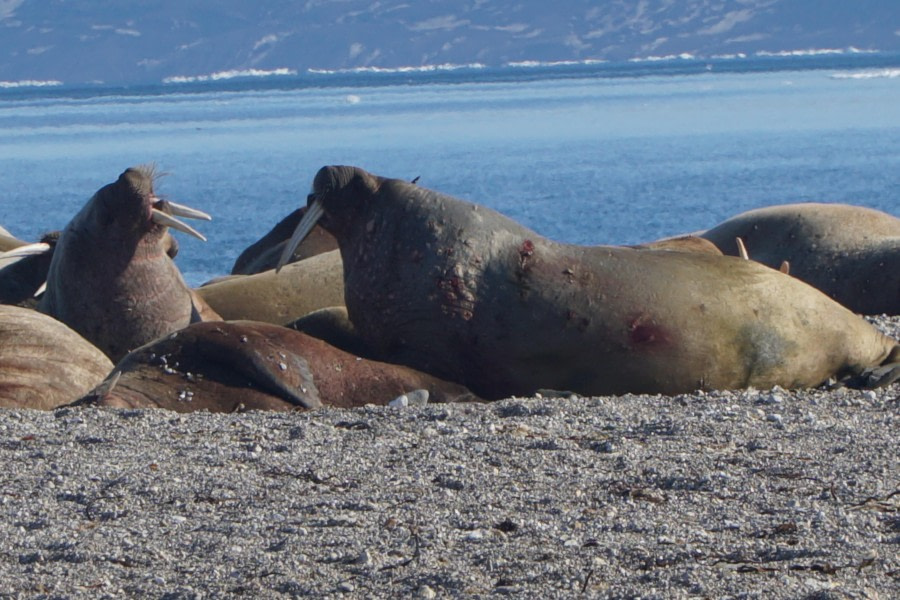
<point>586,153</point>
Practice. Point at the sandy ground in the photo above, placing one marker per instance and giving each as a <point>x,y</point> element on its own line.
<point>750,494</point>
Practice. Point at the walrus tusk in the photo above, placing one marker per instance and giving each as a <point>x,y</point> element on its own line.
<point>309,220</point>
<point>161,218</point>
<point>11,242</point>
<point>180,210</point>
<point>41,289</point>
<point>742,249</point>
<point>26,250</point>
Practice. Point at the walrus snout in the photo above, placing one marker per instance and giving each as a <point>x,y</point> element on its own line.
<point>139,180</point>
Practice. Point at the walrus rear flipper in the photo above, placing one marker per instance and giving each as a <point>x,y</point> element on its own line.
<point>253,356</point>
<point>883,375</point>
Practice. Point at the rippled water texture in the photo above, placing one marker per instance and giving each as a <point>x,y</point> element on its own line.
<point>586,158</point>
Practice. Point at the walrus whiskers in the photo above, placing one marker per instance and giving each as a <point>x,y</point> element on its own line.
<point>309,220</point>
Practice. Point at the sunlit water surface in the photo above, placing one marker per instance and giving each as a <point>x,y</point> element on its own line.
<point>587,158</point>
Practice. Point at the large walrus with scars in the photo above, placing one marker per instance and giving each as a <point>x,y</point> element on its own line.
<point>460,291</point>
<point>851,253</point>
<point>43,363</point>
<point>111,278</point>
<point>247,365</point>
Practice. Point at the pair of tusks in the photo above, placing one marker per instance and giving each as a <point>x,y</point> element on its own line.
<point>178,210</point>
<point>742,252</point>
<point>157,216</point>
<point>309,220</point>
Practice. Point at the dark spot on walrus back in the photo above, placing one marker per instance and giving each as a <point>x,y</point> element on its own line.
<point>763,348</point>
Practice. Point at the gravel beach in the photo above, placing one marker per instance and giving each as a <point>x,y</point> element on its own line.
<point>746,494</point>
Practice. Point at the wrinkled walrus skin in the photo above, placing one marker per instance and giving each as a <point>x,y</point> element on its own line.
<point>43,363</point>
<point>246,365</point>
<point>851,253</point>
<point>111,278</point>
<point>460,291</point>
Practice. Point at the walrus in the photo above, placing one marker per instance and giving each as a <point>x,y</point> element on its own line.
<point>111,278</point>
<point>304,286</point>
<point>467,294</point>
<point>263,255</point>
<point>851,253</point>
<point>43,363</point>
<point>246,365</point>
<point>23,271</point>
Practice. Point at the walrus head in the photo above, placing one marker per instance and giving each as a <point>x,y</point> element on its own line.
<point>131,204</point>
<point>337,193</point>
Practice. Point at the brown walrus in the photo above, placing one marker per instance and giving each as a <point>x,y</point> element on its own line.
<point>111,278</point>
<point>302,287</point>
<point>850,253</point>
<point>231,365</point>
<point>263,254</point>
<point>43,363</point>
<point>460,291</point>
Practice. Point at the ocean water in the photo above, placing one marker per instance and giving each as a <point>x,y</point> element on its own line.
<point>584,153</point>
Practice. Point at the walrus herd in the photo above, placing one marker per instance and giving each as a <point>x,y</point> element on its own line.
<point>400,288</point>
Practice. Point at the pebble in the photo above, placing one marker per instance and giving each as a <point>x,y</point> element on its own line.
<point>518,497</point>
<point>414,398</point>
